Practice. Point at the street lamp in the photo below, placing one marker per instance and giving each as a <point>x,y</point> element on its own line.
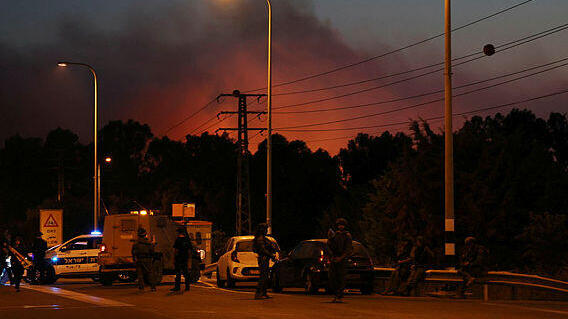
<point>97,194</point>
<point>269,137</point>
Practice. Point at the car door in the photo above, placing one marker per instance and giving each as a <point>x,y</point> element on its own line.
<point>223,261</point>
<point>291,267</point>
<point>73,255</point>
<point>90,263</point>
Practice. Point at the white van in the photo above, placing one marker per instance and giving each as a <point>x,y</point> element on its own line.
<point>77,257</point>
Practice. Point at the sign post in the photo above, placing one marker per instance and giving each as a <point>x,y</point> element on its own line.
<point>51,226</point>
<point>184,210</point>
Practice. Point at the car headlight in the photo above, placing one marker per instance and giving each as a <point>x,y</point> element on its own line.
<point>54,259</point>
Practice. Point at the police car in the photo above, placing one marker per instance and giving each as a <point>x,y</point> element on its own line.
<point>77,257</point>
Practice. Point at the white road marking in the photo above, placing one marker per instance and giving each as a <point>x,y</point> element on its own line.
<point>78,296</point>
<point>211,286</point>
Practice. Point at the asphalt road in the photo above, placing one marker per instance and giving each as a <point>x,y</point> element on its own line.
<point>84,299</point>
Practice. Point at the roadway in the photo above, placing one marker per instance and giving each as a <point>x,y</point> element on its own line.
<point>84,299</point>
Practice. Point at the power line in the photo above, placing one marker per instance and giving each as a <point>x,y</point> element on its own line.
<point>437,117</point>
<point>505,47</point>
<point>393,51</point>
<point>189,117</point>
<point>352,136</point>
<point>551,30</point>
<point>291,128</point>
<point>418,95</point>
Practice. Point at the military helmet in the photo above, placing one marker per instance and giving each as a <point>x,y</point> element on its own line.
<point>470,240</point>
<point>341,221</point>
<point>141,232</point>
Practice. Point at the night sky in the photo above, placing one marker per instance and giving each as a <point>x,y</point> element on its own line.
<point>159,61</point>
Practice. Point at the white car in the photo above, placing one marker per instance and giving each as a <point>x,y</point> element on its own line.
<point>239,262</point>
<point>77,257</point>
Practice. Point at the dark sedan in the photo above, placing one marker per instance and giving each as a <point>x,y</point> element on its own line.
<point>307,266</point>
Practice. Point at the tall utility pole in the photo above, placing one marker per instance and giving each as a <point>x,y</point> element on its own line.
<point>243,218</point>
<point>450,239</point>
<point>269,137</point>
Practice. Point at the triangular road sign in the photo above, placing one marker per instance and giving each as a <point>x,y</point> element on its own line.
<point>50,222</point>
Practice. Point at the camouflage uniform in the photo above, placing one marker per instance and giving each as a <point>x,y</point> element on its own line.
<point>143,254</point>
<point>265,251</point>
<point>340,244</point>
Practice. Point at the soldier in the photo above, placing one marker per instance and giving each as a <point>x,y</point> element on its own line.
<point>39,246</point>
<point>5,271</point>
<point>182,250</point>
<point>420,258</point>
<point>402,267</point>
<point>472,263</point>
<point>143,254</point>
<point>17,269</point>
<point>265,251</point>
<point>340,245</point>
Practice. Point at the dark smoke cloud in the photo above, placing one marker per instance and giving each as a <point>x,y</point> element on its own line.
<point>158,64</point>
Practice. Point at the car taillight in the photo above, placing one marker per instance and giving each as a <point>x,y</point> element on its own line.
<point>234,256</point>
<point>323,258</point>
<point>103,248</point>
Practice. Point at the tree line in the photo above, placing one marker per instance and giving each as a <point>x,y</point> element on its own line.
<point>511,183</point>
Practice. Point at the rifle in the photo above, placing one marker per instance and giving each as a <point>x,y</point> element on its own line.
<point>25,263</point>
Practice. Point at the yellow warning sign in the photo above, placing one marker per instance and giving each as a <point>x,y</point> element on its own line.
<point>50,222</point>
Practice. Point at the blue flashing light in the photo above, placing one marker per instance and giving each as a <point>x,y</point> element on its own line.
<point>96,232</point>
<point>54,259</point>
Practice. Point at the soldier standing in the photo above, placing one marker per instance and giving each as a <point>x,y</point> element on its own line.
<point>340,245</point>
<point>39,247</point>
<point>143,255</point>
<point>17,268</point>
<point>182,250</point>
<point>265,251</point>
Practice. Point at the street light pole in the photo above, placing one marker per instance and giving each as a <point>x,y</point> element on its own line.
<point>269,138</point>
<point>449,247</point>
<point>96,194</point>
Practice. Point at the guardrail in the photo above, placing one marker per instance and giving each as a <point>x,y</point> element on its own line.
<point>520,286</point>
<point>496,285</point>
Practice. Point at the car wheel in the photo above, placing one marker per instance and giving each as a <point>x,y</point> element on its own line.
<point>158,272</point>
<point>49,275</point>
<point>230,280</point>
<point>220,283</point>
<point>367,289</point>
<point>106,279</point>
<point>276,287</point>
<point>310,285</point>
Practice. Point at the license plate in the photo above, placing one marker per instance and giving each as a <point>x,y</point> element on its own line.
<point>254,272</point>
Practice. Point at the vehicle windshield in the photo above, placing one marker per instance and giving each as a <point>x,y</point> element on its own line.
<point>54,247</point>
<point>360,251</point>
<point>246,245</point>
